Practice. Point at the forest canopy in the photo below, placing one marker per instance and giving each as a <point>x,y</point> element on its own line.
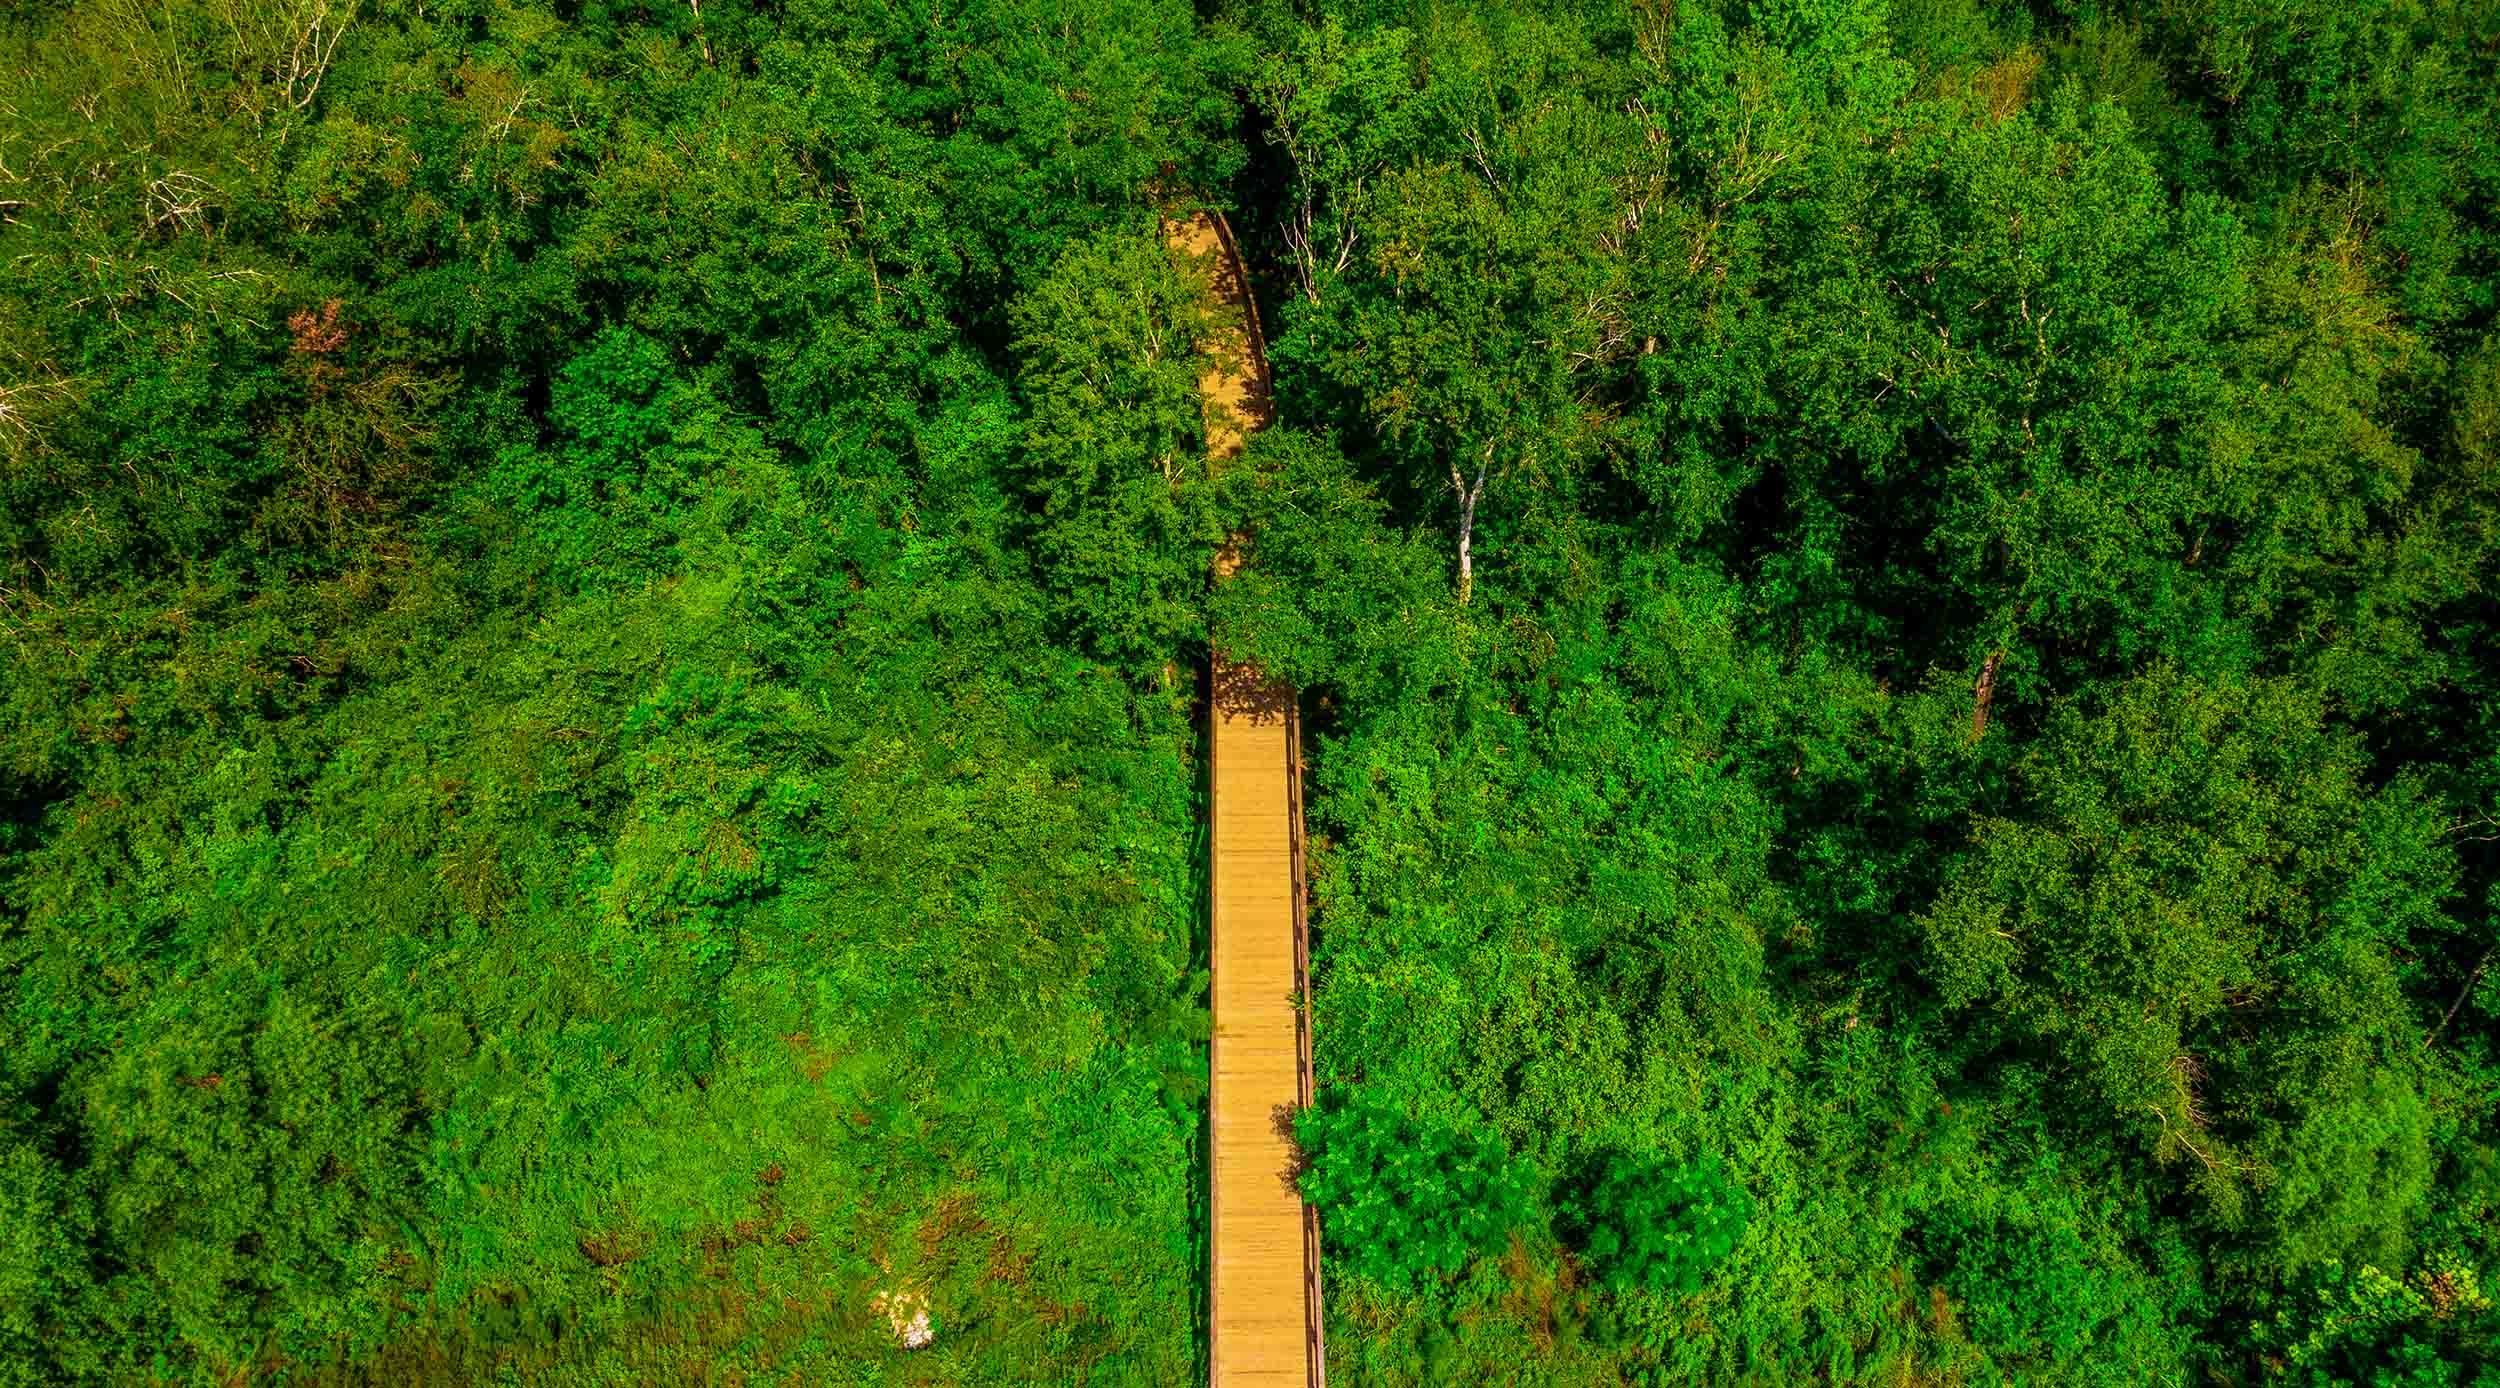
<point>602,616</point>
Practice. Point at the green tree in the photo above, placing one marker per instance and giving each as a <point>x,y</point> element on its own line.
<point>2196,904</point>
<point>1111,342</point>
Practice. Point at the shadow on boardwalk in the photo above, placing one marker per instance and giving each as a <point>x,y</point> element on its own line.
<point>1241,691</point>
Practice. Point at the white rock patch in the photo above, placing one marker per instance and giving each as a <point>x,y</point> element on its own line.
<point>908,1313</point>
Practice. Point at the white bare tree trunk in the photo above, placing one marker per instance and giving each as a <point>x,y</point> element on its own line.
<point>1469,493</point>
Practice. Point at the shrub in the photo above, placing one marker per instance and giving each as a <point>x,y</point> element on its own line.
<point>1653,1226</point>
<point>1405,1200</point>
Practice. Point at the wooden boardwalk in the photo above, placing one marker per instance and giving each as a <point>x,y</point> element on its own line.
<point>1263,1306</point>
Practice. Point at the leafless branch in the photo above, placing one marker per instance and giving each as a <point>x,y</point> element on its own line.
<point>2473,976</point>
<point>1484,164</point>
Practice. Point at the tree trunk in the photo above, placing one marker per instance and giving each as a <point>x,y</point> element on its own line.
<point>1468,495</point>
<point>1983,694</point>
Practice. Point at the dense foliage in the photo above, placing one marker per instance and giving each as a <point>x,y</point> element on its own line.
<point>1407,1200</point>
<point>558,816</point>
<point>1976,708</point>
<point>1650,1225</point>
<point>1898,604</point>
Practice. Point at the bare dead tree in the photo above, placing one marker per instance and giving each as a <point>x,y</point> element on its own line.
<point>316,35</point>
<point>179,201</point>
<point>1484,162</point>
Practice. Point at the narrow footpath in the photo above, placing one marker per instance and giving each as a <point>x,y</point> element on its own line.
<point>1263,1248</point>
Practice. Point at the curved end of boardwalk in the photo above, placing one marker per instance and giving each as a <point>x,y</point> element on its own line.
<point>1263,1285</point>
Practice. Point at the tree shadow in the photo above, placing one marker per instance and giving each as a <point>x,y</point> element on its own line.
<point>1296,1162</point>
<point>1242,692</point>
